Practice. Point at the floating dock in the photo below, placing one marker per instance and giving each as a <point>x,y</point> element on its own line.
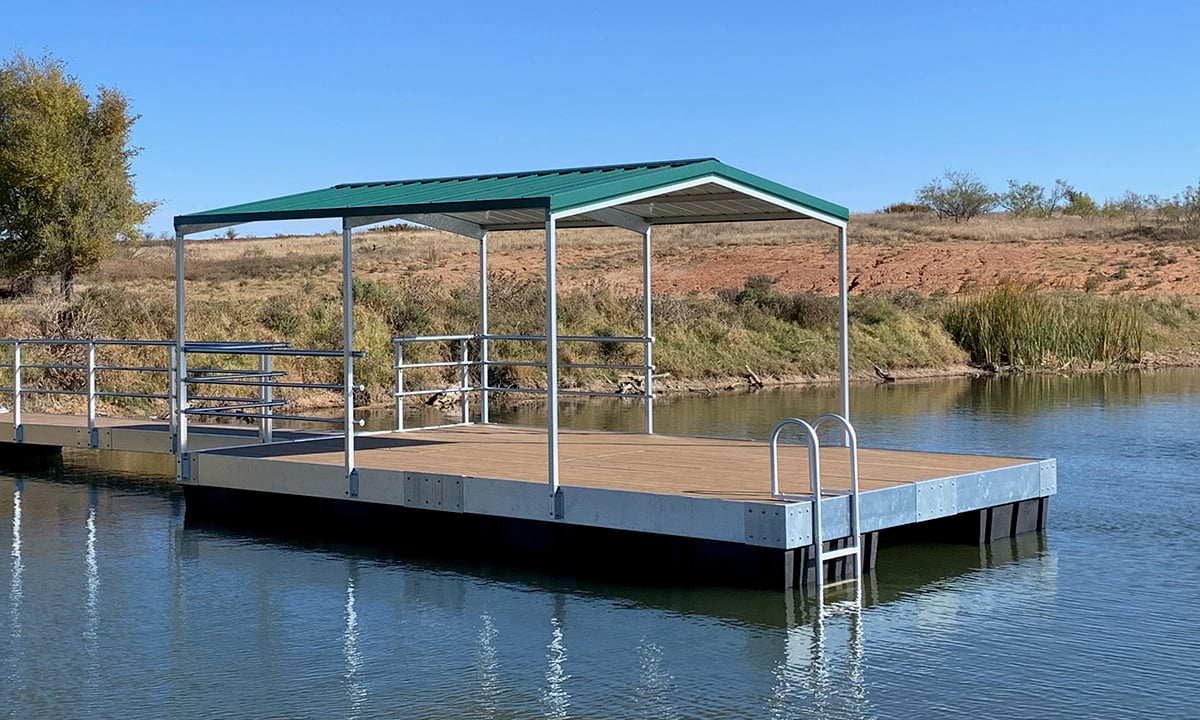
<point>692,509</point>
<point>700,509</point>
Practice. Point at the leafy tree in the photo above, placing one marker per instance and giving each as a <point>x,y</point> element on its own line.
<point>1033,200</point>
<point>66,191</point>
<point>1023,199</point>
<point>1080,203</point>
<point>958,195</point>
<point>1130,205</point>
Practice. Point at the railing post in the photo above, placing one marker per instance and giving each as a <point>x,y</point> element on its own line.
<point>173,395</point>
<point>266,426</point>
<point>399,385</point>
<point>18,430</point>
<point>464,380</point>
<point>93,439</point>
<point>181,406</point>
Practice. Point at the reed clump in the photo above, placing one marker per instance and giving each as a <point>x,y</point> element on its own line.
<point>1016,324</point>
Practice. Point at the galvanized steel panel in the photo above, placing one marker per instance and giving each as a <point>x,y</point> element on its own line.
<point>506,498</point>
<point>887,507</point>
<point>429,491</point>
<point>766,524</point>
<point>707,518</point>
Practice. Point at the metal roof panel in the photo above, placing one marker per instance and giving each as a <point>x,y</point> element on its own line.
<point>561,191</point>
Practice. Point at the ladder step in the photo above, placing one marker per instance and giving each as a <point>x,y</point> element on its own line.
<point>834,583</point>
<point>839,553</point>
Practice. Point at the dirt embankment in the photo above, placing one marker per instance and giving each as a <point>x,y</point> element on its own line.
<point>887,253</point>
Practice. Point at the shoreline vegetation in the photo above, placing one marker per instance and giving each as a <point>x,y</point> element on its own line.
<point>998,294</point>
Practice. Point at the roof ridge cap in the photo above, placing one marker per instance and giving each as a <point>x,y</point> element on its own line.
<point>523,173</point>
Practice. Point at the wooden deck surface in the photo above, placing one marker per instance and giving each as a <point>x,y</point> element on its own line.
<point>703,467</point>
<point>247,430</point>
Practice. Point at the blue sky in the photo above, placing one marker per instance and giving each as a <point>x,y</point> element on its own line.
<point>856,102</point>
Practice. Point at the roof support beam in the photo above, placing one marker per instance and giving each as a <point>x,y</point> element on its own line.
<point>685,219</point>
<point>695,197</point>
<point>779,202</point>
<point>183,230</point>
<point>652,194</point>
<point>436,221</point>
<point>448,223</point>
<point>364,220</point>
<point>620,218</point>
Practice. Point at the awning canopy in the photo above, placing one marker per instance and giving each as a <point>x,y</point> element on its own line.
<point>631,196</point>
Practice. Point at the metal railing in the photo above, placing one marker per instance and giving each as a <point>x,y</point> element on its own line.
<point>466,382</point>
<point>263,381</point>
<point>854,546</point>
<point>257,401</point>
<point>20,388</point>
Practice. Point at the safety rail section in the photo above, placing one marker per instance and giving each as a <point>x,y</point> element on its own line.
<point>69,367</point>
<point>853,548</point>
<point>472,364</point>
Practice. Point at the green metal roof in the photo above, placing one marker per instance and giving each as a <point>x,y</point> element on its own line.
<point>678,191</point>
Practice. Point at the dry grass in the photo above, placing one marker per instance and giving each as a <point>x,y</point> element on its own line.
<point>425,281</point>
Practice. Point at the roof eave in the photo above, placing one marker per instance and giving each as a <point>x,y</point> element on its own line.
<point>198,221</point>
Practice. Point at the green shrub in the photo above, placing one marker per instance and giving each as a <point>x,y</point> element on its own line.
<point>906,208</point>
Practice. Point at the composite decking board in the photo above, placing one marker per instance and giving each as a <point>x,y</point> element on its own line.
<point>714,467</point>
<point>248,432</point>
<point>706,467</point>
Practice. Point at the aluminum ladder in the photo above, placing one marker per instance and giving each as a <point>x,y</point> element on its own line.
<point>853,548</point>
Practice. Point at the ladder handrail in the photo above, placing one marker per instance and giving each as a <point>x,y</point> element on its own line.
<point>852,445</point>
<point>814,473</point>
<point>814,448</point>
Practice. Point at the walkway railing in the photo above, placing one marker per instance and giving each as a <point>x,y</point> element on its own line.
<point>468,355</point>
<point>251,395</point>
<point>88,370</point>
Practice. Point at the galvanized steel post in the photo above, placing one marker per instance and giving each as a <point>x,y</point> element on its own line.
<point>91,393</point>
<point>266,394</point>
<point>181,403</point>
<point>399,363</point>
<point>348,359</point>
<point>172,372</point>
<point>483,330</point>
<point>18,431</point>
<point>464,381</point>
<point>552,368</point>
<point>647,332</point>
<point>844,324</point>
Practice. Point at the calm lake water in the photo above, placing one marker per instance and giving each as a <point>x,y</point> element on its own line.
<point>110,606</point>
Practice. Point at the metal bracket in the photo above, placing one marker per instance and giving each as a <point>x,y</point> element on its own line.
<point>94,438</point>
<point>352,483</point>
<point>560,510</point>
<point>18,433</point>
